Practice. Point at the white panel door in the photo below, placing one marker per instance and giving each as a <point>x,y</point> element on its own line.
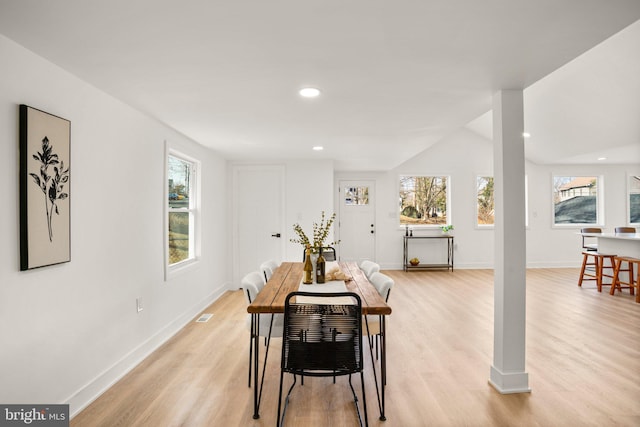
<point>357,221</point>
<point>258,217</point>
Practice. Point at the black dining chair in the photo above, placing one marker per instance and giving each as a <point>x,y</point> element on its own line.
<point>322,339</point>
<point>328,252</point>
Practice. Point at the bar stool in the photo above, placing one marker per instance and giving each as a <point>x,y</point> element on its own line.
<point>625,230</point>
<point>593,268</point>
<point>633,282</point>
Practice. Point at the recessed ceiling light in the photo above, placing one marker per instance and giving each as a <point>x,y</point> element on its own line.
<point>309,92</point>
<point>526,134</point>
<point>318,148</point>
<point>602,158</point>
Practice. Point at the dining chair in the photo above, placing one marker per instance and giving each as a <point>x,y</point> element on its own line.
<point>383,285</point>
<point>322,339</point>
<point>590,230</point>
<point>269,326</point>
<point>369,267</point>
<point>252,283</point>
<point>267,268</point>
<point>625,230</point>
<point>328,252</point>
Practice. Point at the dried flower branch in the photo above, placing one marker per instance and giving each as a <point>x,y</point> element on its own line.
<point>51,186</point>
<point>320,234</point>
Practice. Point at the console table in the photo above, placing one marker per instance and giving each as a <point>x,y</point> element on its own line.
<point>421,266</point>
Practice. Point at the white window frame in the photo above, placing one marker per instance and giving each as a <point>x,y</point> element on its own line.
<point>492,226</point>
<point>630,190</point>
<point>193,209</point>
<point>599,201</point>
<point>448,196</point>
<point>477,224</point>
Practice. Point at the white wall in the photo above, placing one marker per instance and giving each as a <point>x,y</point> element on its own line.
<point>549,246</point>
<point>70,330</point>
<point>463,156</point>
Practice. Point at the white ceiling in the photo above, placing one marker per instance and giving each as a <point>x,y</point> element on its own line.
<point>396,76</point>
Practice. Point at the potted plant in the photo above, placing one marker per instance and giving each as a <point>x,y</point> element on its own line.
<point>446,229</point>
<point>320,234</point>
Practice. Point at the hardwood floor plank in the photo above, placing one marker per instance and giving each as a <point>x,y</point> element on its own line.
<point>583,360</point>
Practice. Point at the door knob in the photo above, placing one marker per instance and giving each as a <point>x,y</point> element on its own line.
<point>276,235</point>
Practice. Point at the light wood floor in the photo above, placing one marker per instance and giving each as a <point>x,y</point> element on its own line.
<point>583,360</point>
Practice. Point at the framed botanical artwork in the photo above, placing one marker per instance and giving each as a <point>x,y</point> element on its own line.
<point>45,159</point>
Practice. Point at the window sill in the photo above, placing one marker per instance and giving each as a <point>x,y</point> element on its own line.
<point>176,270</point>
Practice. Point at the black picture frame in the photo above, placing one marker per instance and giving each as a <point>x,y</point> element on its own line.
<point>45,183</point>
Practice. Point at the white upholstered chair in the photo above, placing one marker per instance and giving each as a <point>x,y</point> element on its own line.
<point>383,285</point>
<point>267,268</point>
<point>269,326</point>
<point>369,267</point>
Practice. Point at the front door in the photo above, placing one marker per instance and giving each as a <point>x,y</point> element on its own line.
<point>357,221</point>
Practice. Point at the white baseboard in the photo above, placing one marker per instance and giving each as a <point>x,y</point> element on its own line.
<point>95,388</point>
<point>486,266</point>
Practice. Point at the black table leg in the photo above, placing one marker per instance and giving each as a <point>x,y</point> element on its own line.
<point>255,331</point>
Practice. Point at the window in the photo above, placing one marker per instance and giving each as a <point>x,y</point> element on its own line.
<point>575,200</point>
<point>424,200</point>
<point>356,196</point>
<point>181,209</point>
<point>485,202</point>
<point>634,200</point>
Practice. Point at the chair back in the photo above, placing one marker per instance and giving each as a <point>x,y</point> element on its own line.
<point>322,338</point>
<point>382,283</point>
<point>625,230</point>
<point>589,230</point>
<point>252,283</point>
<point>267,268</point>
<point>328,252</point>
<point>369,267</point>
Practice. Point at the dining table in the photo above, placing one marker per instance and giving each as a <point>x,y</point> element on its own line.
<point>287,278</point>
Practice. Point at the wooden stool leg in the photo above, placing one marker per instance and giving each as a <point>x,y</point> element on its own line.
<point>638,285</point>
<point>631,286</point>
<point>599,268</point>
<point>602,274</point>
<point>584,266</point>
<point>616,283</point>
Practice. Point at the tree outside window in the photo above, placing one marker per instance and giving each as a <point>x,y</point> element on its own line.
<point>356,196</point>
<point>181,209</point>
<point>486,204</point>
<point>424,200</point>
<point>575,199</point>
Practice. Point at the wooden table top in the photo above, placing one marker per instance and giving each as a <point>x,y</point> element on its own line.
<point>287,279</point>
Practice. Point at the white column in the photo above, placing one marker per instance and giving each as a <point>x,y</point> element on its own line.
<point>508,369</point>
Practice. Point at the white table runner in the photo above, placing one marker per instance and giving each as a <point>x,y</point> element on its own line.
<point>324,288</point>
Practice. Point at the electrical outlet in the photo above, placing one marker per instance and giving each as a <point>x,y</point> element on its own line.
<point>139,304</point>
